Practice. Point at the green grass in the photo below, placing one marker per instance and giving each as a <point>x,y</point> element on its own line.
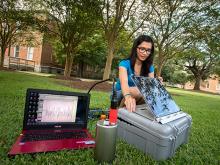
<point>203,146</point>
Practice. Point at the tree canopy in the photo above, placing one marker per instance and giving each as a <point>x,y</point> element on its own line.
<point>202,55</point>
<point>71,22</point>
<point>100,33</point>
<point>116,16</point>
<point>14,20</point>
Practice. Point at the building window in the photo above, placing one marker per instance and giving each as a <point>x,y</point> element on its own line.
<point>30,53</point>
<point>218,86</point>
<point>207,85</point>
<point>16,51</point>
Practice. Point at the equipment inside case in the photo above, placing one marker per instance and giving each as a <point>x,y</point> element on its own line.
<point>159,104</point>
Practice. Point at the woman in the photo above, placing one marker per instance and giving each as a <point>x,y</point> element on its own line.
<point>139,63</point>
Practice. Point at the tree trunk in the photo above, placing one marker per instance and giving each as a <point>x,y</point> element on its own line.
<point>183,85</point>
<point>159,65</point>
<point>197,83</point>
<point>159,69</point>
<point>108,63</point>
<point>9,50</point>
<point>80,69</point>
<point>2,57</point>
<point>68,65</point>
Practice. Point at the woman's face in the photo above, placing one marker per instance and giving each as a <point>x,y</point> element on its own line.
<point>144,50</point>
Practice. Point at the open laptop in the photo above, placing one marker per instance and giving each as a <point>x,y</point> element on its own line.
<point>159,104</point>
<point>54,120</point>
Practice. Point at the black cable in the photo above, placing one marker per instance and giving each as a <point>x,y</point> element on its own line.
<point>96,84</point>
<point>114,100</point>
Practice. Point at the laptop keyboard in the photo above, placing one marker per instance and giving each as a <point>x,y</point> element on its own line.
<point>53,136</point>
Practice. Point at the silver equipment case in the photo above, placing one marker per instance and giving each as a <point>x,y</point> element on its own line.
<point>150,136</point>
<point>157,127</point>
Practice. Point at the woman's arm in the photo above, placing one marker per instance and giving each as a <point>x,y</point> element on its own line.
<point>123,77</point>
<point>129,100</point>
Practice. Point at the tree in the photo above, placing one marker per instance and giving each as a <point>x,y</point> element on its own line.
<point>202,56</point>
<point>58,52</point>
<point>122,50</point>
<point>168,71</point>
<point>175,74</point>
<point>180,77</point>
<point>200,62</point>
<point>71,22</point>
<point>216,70</point>
<point>115,16</point>
<point>95,52</point>
<point>14,20</point>
<point>91,52</point>
<point>166,24</point>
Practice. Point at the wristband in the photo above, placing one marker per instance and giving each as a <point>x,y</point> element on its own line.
<point>128,94</point>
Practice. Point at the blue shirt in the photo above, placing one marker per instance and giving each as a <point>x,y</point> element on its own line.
<point>127,65</point>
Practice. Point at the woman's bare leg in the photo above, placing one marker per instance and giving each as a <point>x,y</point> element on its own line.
<point>135,93</point>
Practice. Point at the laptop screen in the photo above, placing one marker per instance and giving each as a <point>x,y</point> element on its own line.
<point>55,109</point>
<point>155,96</point>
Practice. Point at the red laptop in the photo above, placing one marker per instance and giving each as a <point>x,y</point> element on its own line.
<point>54,120</point>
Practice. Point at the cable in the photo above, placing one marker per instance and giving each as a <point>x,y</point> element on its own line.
<point>114,100</point>
<point>96,84</point>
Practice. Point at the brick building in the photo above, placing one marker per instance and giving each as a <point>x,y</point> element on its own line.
<point>36,55</point>
<point>212,84</point>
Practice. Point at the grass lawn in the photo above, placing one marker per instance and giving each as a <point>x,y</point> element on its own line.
<point>203,146</point>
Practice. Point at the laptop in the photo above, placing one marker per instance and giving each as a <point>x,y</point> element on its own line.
<point>53,121</point>
<point>159,104</point>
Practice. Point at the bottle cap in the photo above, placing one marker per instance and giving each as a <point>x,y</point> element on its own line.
<point>103,117</point>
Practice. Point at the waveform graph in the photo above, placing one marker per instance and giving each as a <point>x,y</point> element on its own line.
<point>57,108</point>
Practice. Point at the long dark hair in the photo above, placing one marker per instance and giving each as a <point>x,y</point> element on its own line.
<point>133,55</point>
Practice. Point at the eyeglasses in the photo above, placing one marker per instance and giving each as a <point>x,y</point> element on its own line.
<point>143,50</point>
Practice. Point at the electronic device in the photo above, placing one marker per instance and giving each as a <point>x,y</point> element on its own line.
<point>53,121</point>
<point>159,104</point>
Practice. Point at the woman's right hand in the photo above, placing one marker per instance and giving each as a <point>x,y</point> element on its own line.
<point>130,103</point>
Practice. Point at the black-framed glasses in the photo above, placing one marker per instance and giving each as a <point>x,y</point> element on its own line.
<point>143,50</point>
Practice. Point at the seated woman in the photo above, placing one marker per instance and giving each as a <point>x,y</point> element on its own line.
<point>139,63</point>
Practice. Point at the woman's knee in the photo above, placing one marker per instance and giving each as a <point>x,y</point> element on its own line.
<point>135,92</point>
